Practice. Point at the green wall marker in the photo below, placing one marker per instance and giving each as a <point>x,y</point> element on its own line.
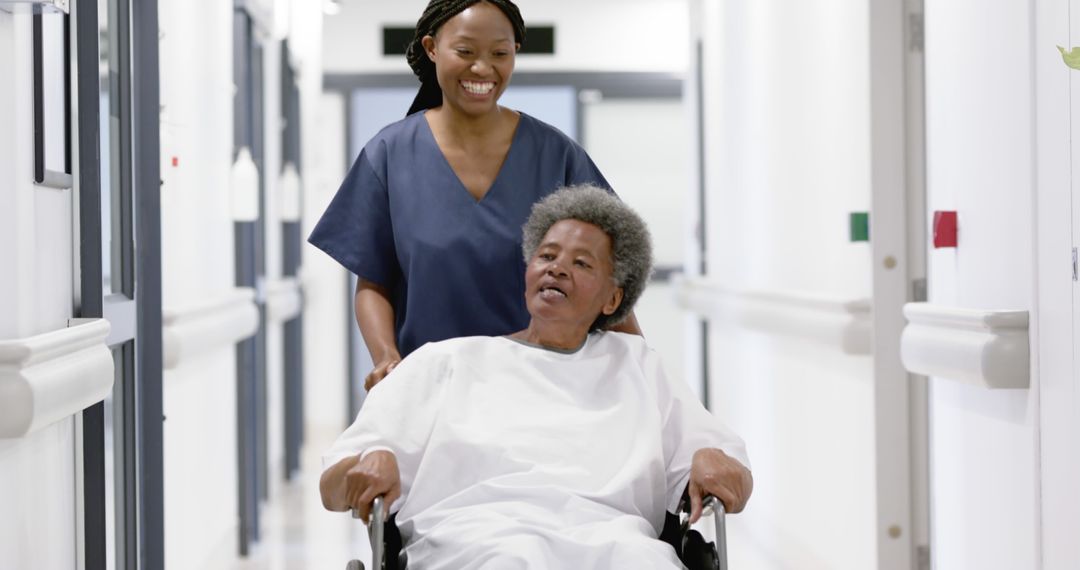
<point>1071,57</point>
<point>860,226</point>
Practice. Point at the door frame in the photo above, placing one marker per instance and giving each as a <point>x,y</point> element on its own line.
<point>898,242</point>
<point>136,333</point>
<point>1054,342</point>
<point>251,400</point>
<point>292,248</point>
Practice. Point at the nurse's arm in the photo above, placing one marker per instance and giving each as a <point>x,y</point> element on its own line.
<point>375,316</point>
<point>629,325</point>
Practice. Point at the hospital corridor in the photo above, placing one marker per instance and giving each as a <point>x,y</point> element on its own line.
<point>543,275</point>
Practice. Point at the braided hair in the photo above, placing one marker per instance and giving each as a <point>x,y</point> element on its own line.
<point>438,12</point>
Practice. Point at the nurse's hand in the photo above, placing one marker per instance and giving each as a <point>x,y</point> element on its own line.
<point>383,368</point>
<point>629,326</point>
<point>374,475</point>
<point>713,472</point>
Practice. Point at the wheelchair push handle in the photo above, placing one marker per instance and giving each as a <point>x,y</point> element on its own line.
<point>375,533</point>
<point>716,507</point>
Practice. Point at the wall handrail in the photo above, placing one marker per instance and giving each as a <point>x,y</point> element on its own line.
<point>843,323</point>
<point>284,299</point>
<point>988,348</point>
<point>48,377</point>
<point>199,328</point>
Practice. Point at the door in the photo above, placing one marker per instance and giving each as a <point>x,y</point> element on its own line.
<point>1074,154</point>
<point>642,145</point>
<point>1058,110</point>
<point>292,243</point>
<point>122,437</point>
<point>251,396</point>
<point>899,242</point>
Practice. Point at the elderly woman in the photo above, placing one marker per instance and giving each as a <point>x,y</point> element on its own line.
<point>559,446</point>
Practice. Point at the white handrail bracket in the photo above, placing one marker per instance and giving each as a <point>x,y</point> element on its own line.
<point>841,323</point>
<point>985,348</point>
<point>51,376</point>
<point>215,324</point>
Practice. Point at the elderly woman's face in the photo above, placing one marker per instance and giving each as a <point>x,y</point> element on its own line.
<point>569,279</point>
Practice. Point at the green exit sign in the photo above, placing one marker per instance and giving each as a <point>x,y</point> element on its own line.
<point>860,226</point>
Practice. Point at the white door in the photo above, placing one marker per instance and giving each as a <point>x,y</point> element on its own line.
<point>642,145</point>
<point>1053,333</point>
<point>1074,114</point>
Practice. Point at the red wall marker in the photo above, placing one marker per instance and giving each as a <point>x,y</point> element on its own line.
<point>945,229</point>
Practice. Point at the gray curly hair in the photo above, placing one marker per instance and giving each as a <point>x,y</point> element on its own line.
<point>631,246</point>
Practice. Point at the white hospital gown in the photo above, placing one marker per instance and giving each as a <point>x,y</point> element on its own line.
<point>514,456</point>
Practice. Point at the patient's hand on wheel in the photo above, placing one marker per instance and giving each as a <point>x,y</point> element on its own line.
<point>376,474</point>
<point>712,472</point>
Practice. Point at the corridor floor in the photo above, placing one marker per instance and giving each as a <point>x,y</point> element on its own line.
<point>298,534</point>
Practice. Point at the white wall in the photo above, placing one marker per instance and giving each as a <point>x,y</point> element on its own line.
<point>647,161</point>
<point>324,281</point>
<point>597,35</point>
<point>786,92</point>
<point>983,445</point>
<point>788,137</point>
<point>197,130</point>
<point>38,284</point>
<point>11,282</point>
<point>37,526</point>
<point>37,473</point>
<point>198,255</point>
<point>200,459</point>
<point>326,313</point>
<point>302,28</point>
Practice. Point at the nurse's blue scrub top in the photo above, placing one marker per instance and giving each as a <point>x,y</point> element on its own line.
<point>403,219</point>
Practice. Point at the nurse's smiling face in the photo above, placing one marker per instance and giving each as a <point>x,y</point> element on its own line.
<point>474,56</point>
<point>568,282</point>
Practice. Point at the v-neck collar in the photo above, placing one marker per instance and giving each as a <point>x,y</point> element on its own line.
<point>522,117</point>
<point>563,351</point>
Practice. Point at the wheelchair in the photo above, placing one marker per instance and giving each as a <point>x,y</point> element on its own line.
<point>692,549</point>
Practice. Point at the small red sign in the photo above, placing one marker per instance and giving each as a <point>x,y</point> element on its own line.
<point>945,229</point>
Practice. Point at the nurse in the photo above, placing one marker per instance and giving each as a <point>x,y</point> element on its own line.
<point>429,217</point>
